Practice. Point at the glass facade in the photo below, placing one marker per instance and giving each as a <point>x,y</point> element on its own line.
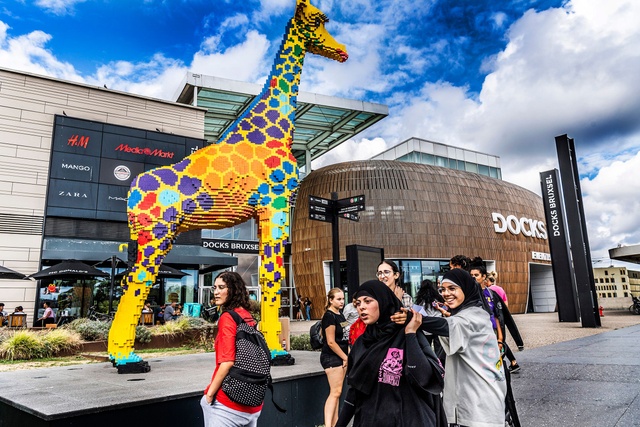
<point>414,271</point>
<point>246,231</point>
<point>248,264</point>
<point>73,298</point>
<point>424,152</point>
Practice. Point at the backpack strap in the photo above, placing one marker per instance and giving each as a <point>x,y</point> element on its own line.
<point>236,317</point>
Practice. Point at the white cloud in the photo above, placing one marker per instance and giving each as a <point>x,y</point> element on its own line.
<point>570,70</point>
<point>157,78</point>
<point>28,53</point>
<point>611,205</point>
<point>58,7</point>
<point>351,150</point>
<point>245,61</point>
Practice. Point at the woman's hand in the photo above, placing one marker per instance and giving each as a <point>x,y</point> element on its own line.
<point>208,398</point>
<point>442,309</point>
<point>414,324</point>
<point>400,317</point>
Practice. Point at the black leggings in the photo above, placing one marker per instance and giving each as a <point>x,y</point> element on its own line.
<point>508,353</point>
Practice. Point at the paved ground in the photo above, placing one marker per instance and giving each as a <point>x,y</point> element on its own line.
<point>573,376</point>
<point>590,381</point>
<point>539,329</point>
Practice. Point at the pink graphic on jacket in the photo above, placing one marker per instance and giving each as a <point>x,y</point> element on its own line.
<point>391,367</point>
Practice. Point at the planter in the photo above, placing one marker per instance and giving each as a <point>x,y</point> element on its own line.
<point>157,341</point>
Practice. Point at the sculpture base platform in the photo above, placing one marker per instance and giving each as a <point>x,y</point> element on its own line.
<point>95,395</point>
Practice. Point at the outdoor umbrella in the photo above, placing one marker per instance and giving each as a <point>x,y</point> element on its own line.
<point>7,273</point>
<point>69,269</point>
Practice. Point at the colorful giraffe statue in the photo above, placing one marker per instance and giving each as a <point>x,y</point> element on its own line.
<point>249,173</point>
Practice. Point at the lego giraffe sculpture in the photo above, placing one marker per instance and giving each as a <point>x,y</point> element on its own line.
<point>249,173</point>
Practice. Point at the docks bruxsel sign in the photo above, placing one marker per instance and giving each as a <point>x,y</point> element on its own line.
<point>525,226</point>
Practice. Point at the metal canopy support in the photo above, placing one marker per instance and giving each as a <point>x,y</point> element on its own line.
<point>322,122</point>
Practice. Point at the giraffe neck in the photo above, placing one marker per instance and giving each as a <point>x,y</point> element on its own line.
<point>280,92</point>
<point>287,67</point>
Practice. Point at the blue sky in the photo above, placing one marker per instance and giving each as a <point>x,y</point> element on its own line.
<point>501,77</point>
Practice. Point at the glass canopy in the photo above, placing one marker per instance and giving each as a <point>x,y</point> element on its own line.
<point>322,122</point>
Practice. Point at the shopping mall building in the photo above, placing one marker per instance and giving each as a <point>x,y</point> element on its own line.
<point>68,152</point>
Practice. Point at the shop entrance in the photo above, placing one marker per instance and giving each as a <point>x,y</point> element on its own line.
<point>542,293</point>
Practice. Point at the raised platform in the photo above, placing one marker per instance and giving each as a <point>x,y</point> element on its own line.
<point>95,395</point>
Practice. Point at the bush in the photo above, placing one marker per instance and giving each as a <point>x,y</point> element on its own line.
<point>59,340</point>
<point>22,345</point>
<point>90,330</point>
<point>301,342</point>
<point>172,327</point>
<point>254,309</point>
<point>4,334</point>
<point>197,322</point>
<point>143,334</point>
<point>27,344</point>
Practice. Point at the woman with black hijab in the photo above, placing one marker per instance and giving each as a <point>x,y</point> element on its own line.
<point>475,385</point>
<point>394,376</point>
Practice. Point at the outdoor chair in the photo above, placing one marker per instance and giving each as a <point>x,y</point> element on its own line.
<point>146,319</point>
<point>17,321</point>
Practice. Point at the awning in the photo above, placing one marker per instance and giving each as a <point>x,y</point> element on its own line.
<point>55,248</point>
<point>626,253</point>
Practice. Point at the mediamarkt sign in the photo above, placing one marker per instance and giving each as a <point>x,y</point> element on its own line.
<point>528,227</point>
<point>145,151</point>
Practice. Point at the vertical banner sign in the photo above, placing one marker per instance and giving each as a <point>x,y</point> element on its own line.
<point>563,277</point>
<point>587,298</point>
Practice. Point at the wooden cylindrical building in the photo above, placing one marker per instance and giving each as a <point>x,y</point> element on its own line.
<point>421,212</point>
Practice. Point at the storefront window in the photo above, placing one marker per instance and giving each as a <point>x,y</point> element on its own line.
<point>415,271</point>
<point>166,290</point>
<point>74,297</point>
<point>246,231</point>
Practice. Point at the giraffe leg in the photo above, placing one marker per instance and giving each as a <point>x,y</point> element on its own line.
<point>273,236</point>
<point>136,289</point>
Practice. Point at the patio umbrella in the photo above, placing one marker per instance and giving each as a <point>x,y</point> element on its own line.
<point>7,273</point>
<point>69,269</point>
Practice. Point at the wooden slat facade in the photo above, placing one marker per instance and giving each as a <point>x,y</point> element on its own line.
<point>416,211</point>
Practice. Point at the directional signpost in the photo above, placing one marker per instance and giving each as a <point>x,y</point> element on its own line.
<point>329,211</point>
<point>320,209</point>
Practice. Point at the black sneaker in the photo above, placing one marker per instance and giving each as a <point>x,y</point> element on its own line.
<point>514,368</point>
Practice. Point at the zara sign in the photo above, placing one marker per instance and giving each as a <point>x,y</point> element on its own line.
<point>526,226</point>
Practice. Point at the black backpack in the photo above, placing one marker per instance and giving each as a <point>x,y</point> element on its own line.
<point>315,335</point>
<point>250,375</point>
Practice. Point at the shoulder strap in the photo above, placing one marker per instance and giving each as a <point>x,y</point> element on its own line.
<point>236,317</point>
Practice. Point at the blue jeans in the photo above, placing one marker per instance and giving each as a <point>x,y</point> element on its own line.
<point>218,415</point>
<point>308,308</point>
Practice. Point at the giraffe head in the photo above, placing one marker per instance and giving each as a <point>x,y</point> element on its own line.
<point>310,21</point>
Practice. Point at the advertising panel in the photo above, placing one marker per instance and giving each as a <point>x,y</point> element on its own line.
<point>562,267</point>
<point>93,164</point>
